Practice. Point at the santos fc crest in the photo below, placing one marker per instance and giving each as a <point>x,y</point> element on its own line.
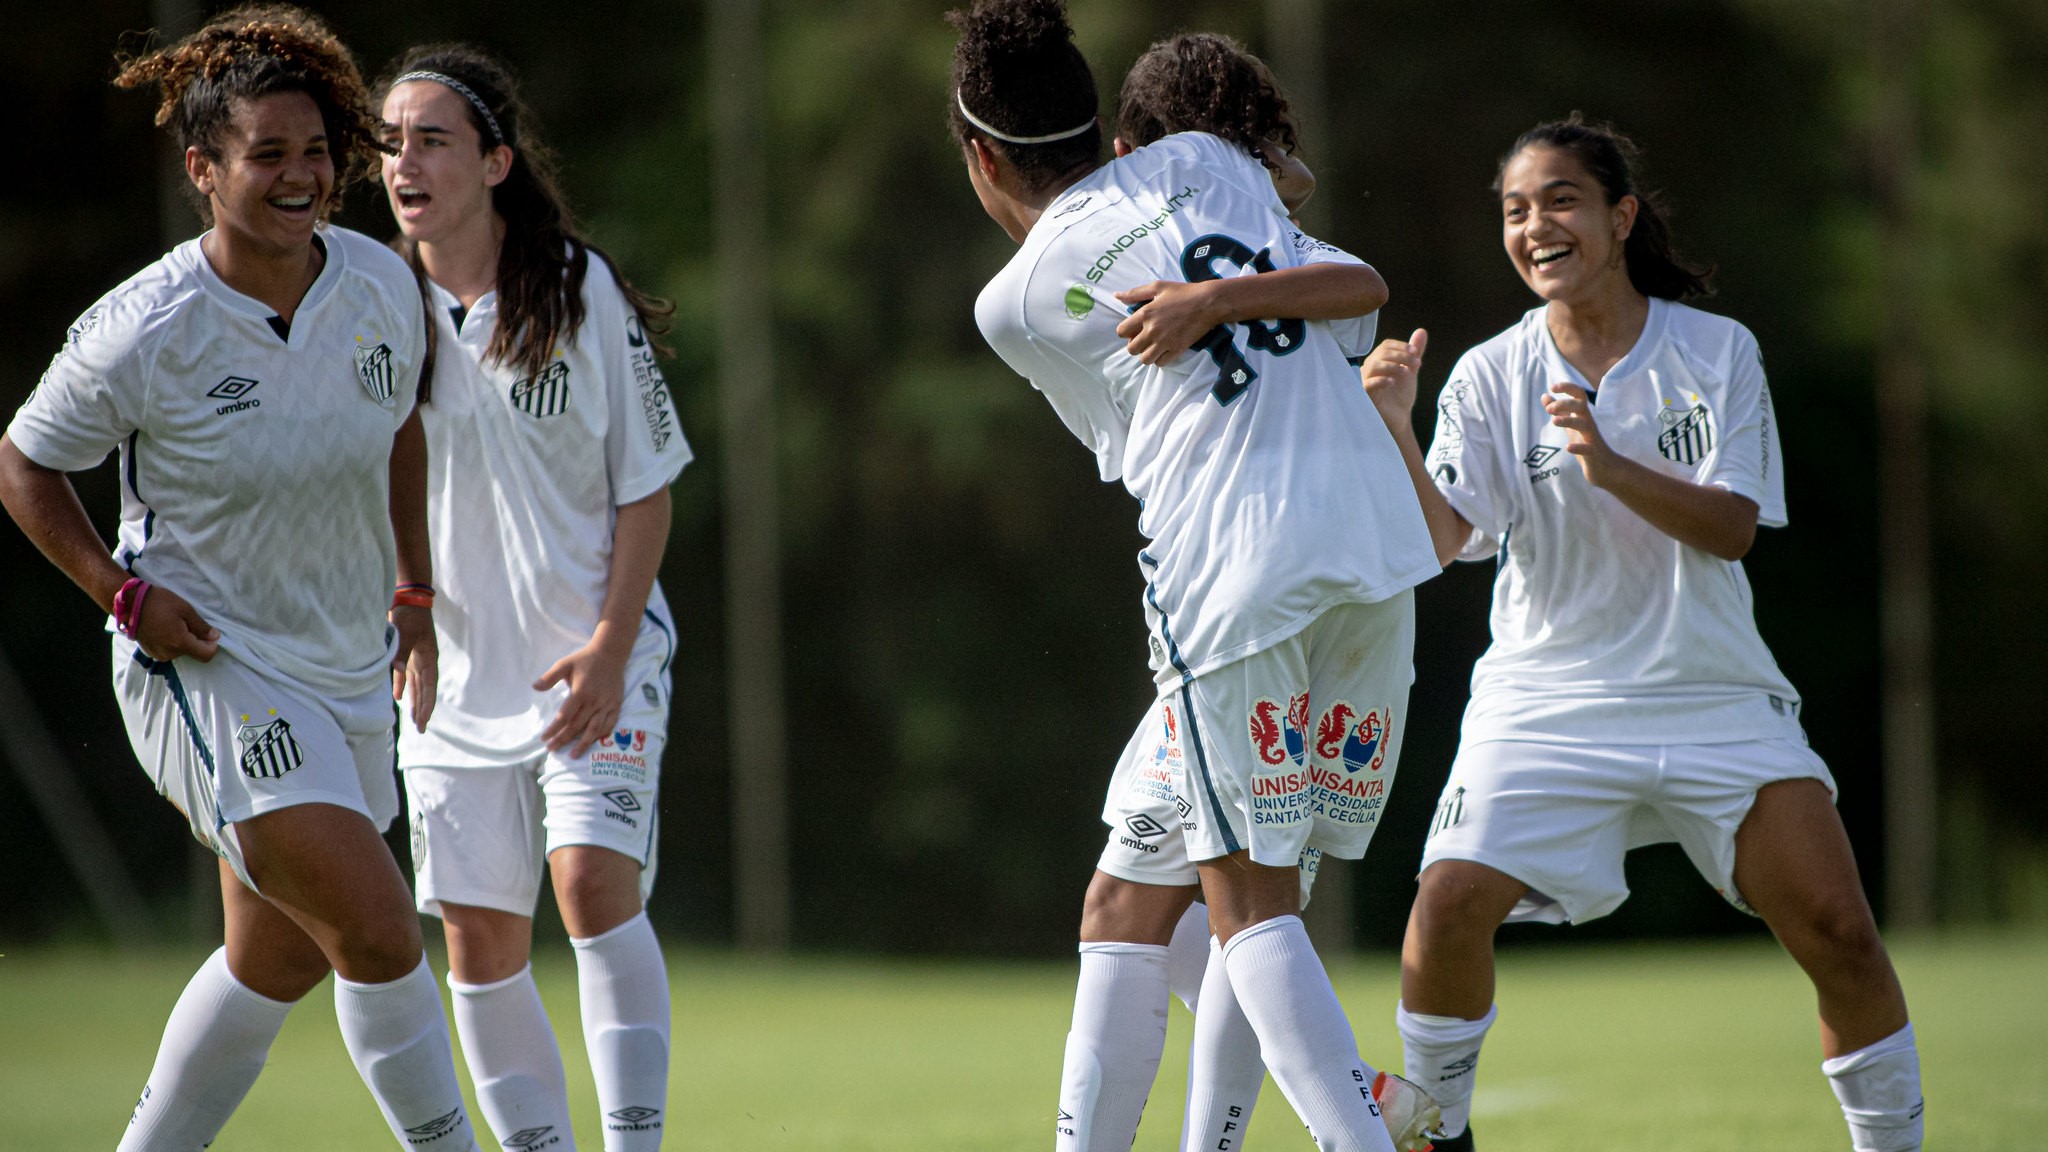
<point>1688,434</point>
<point>268,750</point>
<point>373,371</point>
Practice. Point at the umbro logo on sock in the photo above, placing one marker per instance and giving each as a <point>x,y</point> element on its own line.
<point>531,1139</point>
<point>436,1128</point>
<point>634,1119</point>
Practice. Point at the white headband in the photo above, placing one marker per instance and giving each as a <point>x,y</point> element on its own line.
<point>991,130</point>
<point>462,90</point>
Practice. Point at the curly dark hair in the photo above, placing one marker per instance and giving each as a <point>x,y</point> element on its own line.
<point>1203,82</point>
<point>1613,160</point>
<point>544,259</point>
<point>1017,68</point>
<point>253,51</point>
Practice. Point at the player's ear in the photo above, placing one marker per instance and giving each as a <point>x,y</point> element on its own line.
<point>1121,148</point>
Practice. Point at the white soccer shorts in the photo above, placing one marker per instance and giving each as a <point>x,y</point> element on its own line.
<point>224,743</point>
<point>1290,749</point>
<point>480,835</point>
<point>1560,817</point>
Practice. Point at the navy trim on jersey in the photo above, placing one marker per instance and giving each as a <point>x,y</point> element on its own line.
<point>1187,702</point>
<point>127,559</point>
<point>666,635</point>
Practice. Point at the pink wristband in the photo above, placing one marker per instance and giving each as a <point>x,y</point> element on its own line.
<point>128,605</point>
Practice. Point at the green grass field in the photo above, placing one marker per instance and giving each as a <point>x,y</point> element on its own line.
<point>1672,1047</point>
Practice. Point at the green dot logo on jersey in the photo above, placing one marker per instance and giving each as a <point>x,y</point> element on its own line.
<point>1688,432</point>
<point>373,370</point>
<point>268,750</point>
<point>544,395</point>
<point>1080,302</point>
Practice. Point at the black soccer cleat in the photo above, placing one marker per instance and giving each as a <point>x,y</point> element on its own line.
<point>1462,1142</point>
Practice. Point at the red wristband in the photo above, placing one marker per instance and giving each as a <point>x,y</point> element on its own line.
<point>412,598</point>
<point>128,605</point>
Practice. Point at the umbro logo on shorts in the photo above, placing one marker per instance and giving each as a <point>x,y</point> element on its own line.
<point>624,799</point>
<point>544,395</point>
<point>1144,827</point>
<point>268,750</point>
<point>436,1128</point>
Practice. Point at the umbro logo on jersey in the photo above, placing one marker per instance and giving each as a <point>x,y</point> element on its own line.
<point>1538,460</point>
<point>268,750</point>
<point>1076,206</point>
<point>436,1128</point>
<point>373,371</point>
<point>544,395</point>
<point>234,389</point>
<point>1688,435</point>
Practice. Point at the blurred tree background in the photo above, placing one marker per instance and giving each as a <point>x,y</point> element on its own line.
<point>964,648</point>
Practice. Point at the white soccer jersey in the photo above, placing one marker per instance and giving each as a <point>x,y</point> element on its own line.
<point>255,460</point>
<point>525,480</point>
<point>1269,488</point>
<point>1606,630</point>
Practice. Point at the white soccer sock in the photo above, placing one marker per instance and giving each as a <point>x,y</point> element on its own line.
<point>624,985</point>
<point>1441,1055</point>
<point>1305,1037</point>
<point>513,1060</point>
<point>1879,1088</point>
<point>1114,1046</point>
<point>398,1038</point>
<point>213,1048</point>
<point>1187,955</point>
<point>1225,1071</point>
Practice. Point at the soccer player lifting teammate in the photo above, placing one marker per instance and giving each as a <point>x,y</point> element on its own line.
<point>554,440</point>
<point>259,385</point>
<point>1275,598</point>
<point>1616,450</point>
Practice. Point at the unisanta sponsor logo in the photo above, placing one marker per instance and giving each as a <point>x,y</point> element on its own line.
<point>436,1128</point>
<point>1279,734</point>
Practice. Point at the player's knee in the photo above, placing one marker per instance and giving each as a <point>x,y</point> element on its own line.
<point>1458,898</point>
<point>1846,939</point>
<point>382,951</point>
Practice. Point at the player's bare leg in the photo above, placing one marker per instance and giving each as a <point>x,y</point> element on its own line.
<point>623,985</point>
<point>1120,1004</point>
<point>1286,994</point>
<point>1447,981</point>
<point>1793,864</point>
<point>327,870</point>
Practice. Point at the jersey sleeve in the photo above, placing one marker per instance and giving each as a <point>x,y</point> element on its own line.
<point>1355,334</point>
<point>645,449</point>
<point>1077,394</point>
<point>1465,456</point>
<point>1749,461</point>
<point>90,398</point>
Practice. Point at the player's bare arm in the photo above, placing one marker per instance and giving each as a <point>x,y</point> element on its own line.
<point>46,506</point>
<point>1174,314</point>
<point>1703,516</point>
<point>416,667</point>
<point>596,672</point>
<point>1389,377</point>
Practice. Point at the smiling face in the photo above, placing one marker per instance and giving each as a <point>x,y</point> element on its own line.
<point>440,178</point>
<point>1563,236</point>
<point>273,176</point>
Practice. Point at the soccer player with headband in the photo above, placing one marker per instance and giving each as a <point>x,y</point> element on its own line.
<point>554,440</point>
<point>1614,452</point>
<point>1278,603</point>
<point>271,588</point>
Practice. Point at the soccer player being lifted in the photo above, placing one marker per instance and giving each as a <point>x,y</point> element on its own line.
<point>1278,601</point>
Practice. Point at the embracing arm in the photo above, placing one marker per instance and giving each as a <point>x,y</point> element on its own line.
<point>416,667</point>
<point>1389,378</point>
<point>1175,314</point>
<point>596,672</point>
<point>46,506</point>
<point>1703,516</point>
